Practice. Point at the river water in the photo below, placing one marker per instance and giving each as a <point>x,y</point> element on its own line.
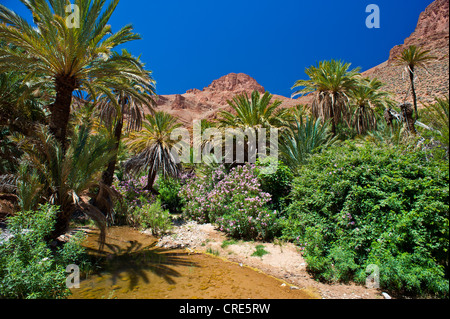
<point>132,267</point>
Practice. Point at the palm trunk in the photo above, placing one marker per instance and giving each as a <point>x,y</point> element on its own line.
<point>59,120</point>
<point>108,174</point>
<point>407,113</point>
<point>332,115</point>
<point>413,90</point>
<point>62,222</point>
<point>61,226</point>
<point>60,110</point>
<point>151,181</point>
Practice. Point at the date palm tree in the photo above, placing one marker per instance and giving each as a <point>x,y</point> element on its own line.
<point>251,113</point>
<point>153,147</point>
<point>67,57</point>
<point>411,58</point>
<point>330,81</point>
<point>19,108</point>
<point>365,96</point>
<point>125,108</point>
<point>66,180</point>
<point>254,111</point>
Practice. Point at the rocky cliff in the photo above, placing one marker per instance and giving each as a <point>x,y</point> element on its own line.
<point>431,33</point>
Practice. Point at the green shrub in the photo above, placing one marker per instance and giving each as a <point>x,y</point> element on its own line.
<point>359,205</point>
<point>29,269</point>
<point>262,224</point>
<point>169,188</point>
<point>278,184</point>
<point>152,216</point>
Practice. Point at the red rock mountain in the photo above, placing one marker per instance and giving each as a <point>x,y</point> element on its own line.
<point>432,33</point>
<point>207,103</point>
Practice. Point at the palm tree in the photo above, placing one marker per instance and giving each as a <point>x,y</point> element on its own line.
<point>304,138</point>
<point>129,103</point>
<point>367,95</point>
<point>154,146</point>
<point>66,57</point>
<point>68,180</point>
<point>330,81</point>
<point>411,58</point>
<point>254,113</point>
<point>437,117</point>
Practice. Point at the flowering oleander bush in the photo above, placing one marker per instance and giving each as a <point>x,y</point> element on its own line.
<point>132,195</point>
<point>194,194</point>
<point>239,190</point>
<point>262,225</point>
<point>133,192</point>
<point>233,200</point>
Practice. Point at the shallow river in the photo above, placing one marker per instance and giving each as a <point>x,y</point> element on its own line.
<point>134,268</point>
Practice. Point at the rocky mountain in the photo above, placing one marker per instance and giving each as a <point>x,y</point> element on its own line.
<point>431,33</point>
<point>198,104</point>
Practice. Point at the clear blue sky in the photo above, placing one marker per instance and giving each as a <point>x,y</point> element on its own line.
<point>188,44</point>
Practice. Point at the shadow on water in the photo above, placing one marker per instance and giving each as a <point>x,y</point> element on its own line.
<point>136,259</point>
<point>131,266</point>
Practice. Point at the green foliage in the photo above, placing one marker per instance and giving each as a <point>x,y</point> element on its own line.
<point>359,205</point>
<point>152,216</point>
<point>227,243</point>
<point>278,184</point>
<point>260,251</point>
<point>47,174</point>
<point>9,153</point>
<point>305,137</point>
<point>29,269</point>
<point>168,189</point>
<point>436,116</point>
<point>20,108</point>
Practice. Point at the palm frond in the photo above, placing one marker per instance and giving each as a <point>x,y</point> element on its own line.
<point>306,136</point>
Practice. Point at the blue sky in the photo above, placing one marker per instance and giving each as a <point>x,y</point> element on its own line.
<point>188,44</point>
